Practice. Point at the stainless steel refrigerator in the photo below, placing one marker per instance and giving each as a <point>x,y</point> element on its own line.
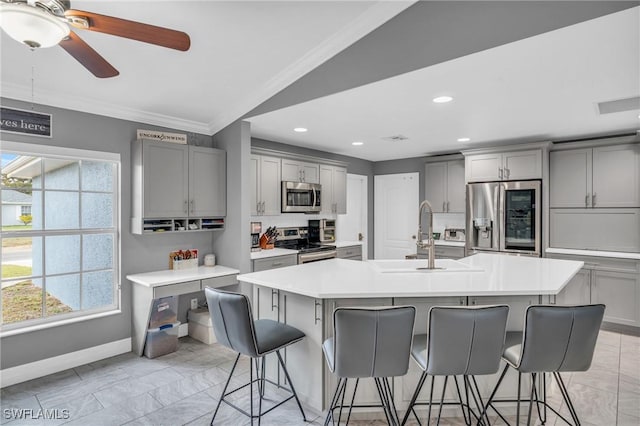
<point>504,217</point>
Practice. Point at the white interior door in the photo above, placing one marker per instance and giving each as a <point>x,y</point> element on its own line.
<point>353,225</point>
<point>395,215</point>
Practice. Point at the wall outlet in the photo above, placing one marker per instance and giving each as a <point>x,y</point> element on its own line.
<point>194,304</point>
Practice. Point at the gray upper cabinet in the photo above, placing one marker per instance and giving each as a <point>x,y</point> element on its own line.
<point>334,189</point>
<point>607,176</point>
<point>445,187</point>
<point>173,181</point>
<point>265,185</point>
<point>165,179</point>
<point>300,171</point>
<point>207,182</point>
<point>512,165</point>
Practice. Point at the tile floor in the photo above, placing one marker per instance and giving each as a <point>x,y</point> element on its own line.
<point>182,389</point>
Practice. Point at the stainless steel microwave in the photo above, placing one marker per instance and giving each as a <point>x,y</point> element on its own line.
<point>301,197</point>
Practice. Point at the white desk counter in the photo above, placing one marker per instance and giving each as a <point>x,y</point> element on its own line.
<point>154,285</point>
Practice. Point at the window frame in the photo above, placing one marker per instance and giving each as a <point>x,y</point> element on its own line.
<point>55,152</point>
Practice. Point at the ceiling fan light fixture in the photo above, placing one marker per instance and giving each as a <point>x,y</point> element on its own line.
<point>31,26</point>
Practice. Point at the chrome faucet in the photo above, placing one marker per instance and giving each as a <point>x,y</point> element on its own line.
<point>430,244</point>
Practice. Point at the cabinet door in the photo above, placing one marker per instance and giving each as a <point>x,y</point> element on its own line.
<point>570,178</point>
<point>340,189</point>
<point>522,165</point>
<point>270,185</point>
<point>616,176</point>
<point>291,170</point>
<point>435,186</point>
<point>207,182</point>
<point>483,167</point>
<point>165,179</point>
<point>255,185</point>
<point>275,262</point>
<point>304,359</point>
<point>455,187</point>
<point>620,294</point>
<point>577,291</point>
<point>310,172</point>
<point>326,192</point>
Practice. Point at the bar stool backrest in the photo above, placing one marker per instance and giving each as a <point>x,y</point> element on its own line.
<point>373,342</point>
<point>559,338</point>
<point>465,340</point>
<point>232,320</point>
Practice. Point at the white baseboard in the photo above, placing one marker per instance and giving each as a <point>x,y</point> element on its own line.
<point>33,370</point>
<point>183,330</point>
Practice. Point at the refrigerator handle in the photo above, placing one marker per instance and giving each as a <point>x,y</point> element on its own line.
<point>499,236</point>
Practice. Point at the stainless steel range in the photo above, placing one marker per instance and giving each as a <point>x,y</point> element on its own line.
<point>298,239</point>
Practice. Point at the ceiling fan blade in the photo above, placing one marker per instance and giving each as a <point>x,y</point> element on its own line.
<point>88,57</point>
<point>131,29</point>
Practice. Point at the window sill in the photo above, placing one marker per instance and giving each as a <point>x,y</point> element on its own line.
<point>44,326</point>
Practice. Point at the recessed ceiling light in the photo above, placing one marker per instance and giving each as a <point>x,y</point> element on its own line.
<point>464,139</point>
<point>357,143</point>
<point>442,99</point>
<point>300,129</point>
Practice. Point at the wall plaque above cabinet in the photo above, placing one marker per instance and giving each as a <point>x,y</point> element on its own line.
<point>177,187</point>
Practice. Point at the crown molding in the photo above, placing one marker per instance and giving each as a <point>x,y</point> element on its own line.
<point>57,99</point>
<point>366,22</point>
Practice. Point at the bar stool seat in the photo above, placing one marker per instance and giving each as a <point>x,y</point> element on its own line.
<point>236,329</point>
<point>372,342</point>
<point>555,339</point>
<point>461,341</point>
<point>272,335</point>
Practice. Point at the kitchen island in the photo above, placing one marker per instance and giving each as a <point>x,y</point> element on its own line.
<point>305,297</point>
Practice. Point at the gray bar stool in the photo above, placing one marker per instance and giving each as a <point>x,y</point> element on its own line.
<point>555,339</point>
<point>464,341</point>
<point>369,342</point>
<point>235,328</point>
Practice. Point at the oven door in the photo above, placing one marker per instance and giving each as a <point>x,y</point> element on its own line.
<point>316,256</point>
<point>300,197</point>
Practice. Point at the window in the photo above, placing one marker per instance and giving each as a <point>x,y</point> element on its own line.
<point>60,258</point>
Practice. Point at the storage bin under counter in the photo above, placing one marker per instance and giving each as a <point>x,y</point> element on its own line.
<point>150,286</point>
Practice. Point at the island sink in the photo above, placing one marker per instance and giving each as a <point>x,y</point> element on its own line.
<point>421,266</point>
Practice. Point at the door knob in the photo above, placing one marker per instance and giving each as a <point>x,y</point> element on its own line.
<point>360,236</point>
<point>413,237</point>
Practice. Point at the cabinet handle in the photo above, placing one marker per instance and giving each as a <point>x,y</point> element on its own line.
<point>447,206</point>
<point>461,301</point>
<point>444,206</point>
<point>593,200</point>
<point>274,305</point>
<point>500,173</point>
<point>586,200</point>
<point>262,207</point>
<point>473,301</point>
<point>186,206</point>
<point>193,203</point>
<point>276,264</point>
<point>316,318</point>
<point>507,172</point>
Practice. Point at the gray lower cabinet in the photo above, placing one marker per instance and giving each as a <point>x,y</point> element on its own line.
<point>448,252</point>
<point>274,262</point>
<point>612,282</point>
<point>350,252</point>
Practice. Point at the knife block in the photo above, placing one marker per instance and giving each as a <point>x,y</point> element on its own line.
<point>264,243</point>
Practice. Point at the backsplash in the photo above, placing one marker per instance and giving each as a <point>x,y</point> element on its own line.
<point>447,220</point>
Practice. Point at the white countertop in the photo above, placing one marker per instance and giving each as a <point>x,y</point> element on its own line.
<point>595,253</point>
<point>274,252</point>
<point>160,278</point>
<point>450,243</point>
<point>502,275</point>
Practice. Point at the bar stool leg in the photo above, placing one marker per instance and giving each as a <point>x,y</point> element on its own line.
<point>383,400</point>
<point>355,388</point>
<point>333,402</point>
<point>567,399</point>
<point>531,400</point>
<point>224,390</point>
<point>444,388</point>
<point>293,390</point>
<point>410,408</point>
<point>493,394</point>
<point>518,403</point>
<point>465,414</point>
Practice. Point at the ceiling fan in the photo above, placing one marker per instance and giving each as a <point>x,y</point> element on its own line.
<point>46,23</point>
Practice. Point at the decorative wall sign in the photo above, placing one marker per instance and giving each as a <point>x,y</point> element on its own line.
<point>25,122</point>
<point>162,136</point>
